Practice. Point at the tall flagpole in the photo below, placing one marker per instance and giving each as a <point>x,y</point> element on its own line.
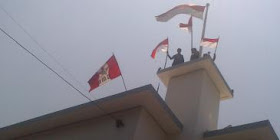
<point>214,56</point>
<point>123,83</point>
<point>165,61</point>
<point>166,57</point>
<point>217,45</point>
<point>192,38</point>
<point>204,27</point>
<point>158,87</point>
<point>121,75</point>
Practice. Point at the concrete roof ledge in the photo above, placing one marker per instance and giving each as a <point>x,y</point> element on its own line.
<point>258,130</point>
<point>145,96</point>
<point>205,63</point>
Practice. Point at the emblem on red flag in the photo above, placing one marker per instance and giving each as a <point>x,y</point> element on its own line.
<point>109,71</point>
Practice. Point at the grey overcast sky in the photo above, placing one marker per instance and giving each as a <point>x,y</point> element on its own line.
<point>82,34</point>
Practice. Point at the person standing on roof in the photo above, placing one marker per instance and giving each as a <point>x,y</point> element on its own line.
<point>178,58</point>
<point>195,54</point>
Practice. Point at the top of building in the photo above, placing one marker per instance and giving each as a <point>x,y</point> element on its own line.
<point>205,63</point>
<point>254,131</point>
<point>145,96</point>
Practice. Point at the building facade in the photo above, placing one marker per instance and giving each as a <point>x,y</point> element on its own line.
<point>189,112</point>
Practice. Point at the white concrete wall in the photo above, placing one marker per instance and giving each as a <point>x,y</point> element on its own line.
<point>102,128</point>
<point>195,101</point>
<point>208,112</point>
<point>139,125</point>
<point>182,97</point>
<point>148,129</point>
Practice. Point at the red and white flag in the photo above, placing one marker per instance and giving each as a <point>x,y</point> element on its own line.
<point>194,10</point>
<point>107,72</point>
<point>162,46</point>
<point>211,43</point>
<point>186,27</point>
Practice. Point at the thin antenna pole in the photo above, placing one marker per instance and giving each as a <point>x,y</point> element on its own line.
<point>192,38</point>
<point>165,61</point>
<point>217,45</point>
<point>123,83</point>
<point>204,27</point>
<point>158,87</point>
<point>166,57</point>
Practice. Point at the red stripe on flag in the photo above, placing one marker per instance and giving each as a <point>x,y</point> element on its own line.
<point>188,26</point>
<point>211,40</point>
<point>162,43</point>
<point>194,10</point>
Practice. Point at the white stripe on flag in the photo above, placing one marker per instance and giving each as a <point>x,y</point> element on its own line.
<point>209,44</point>
<point>194,10</point>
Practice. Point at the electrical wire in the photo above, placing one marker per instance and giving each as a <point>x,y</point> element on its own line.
<point>52,70</point>
<point>53,58</point>
<point>42,48</point>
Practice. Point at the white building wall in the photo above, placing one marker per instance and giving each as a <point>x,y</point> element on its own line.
<point>194,99</point>
<point>138,125</point>
<point>102,128</point>
<point>148,129</point>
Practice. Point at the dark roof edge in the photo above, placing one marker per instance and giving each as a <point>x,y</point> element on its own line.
<point>254,125</point>
<point>118,95</point>
<point>272,130</point>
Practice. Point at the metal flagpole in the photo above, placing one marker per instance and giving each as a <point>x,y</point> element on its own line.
<point>121,75</point>
<point>204,27</point>
<point>217,45</point>
<point>123,83</point>
<point>165,61</point>
<point>192,37</point>
<point>166,57</point>
<point>158,87</point>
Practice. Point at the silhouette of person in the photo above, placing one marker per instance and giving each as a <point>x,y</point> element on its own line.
<point>178,58</point>
<point>209,55</point>
<point>195,54</point>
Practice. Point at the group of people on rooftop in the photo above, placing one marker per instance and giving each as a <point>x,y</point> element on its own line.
<point>179,58</point>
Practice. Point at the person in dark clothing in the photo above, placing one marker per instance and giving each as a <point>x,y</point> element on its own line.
<point>209,55</point>
<point>178,58</point>
<point>195,54</point>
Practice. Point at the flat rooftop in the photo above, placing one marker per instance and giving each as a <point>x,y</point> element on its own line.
<point>204,63</point>
<point>145,96</point>
<point>254,131</point>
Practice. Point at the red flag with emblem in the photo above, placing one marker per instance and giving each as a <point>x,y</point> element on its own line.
<point>109,71</point>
